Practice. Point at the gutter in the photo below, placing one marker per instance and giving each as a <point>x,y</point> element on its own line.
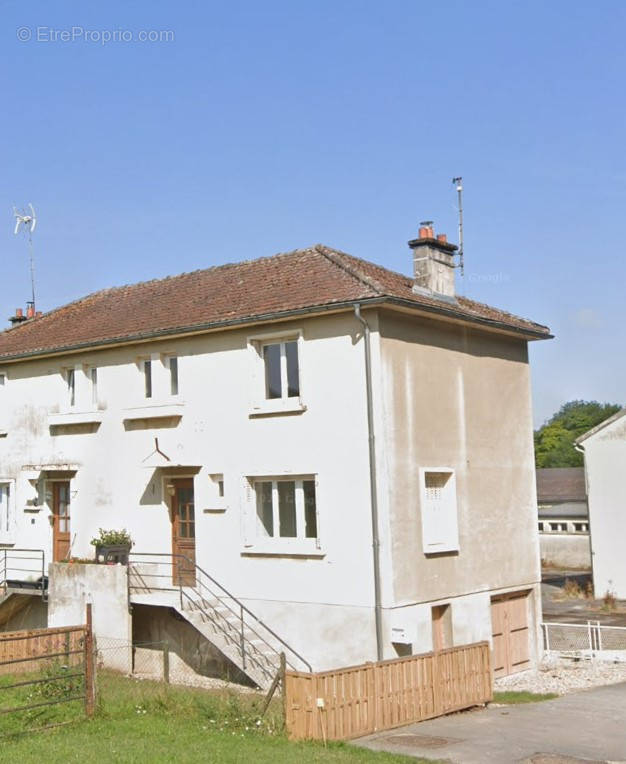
<point>182,331</point>
<point>373,491</point>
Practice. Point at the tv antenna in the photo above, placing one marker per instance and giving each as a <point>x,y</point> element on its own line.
<point>28,221</point>
<point>458,182</point>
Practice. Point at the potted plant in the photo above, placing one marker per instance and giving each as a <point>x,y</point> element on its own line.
<point>112,546</point>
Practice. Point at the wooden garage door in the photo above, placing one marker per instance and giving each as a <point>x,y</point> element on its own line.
<point>510,634</point>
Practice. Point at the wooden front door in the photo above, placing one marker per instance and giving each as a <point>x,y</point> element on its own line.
<point>60,520</point>
<point>510,633</point>
<point>183,533</point>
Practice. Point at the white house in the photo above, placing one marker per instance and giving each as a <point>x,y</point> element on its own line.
<point>343,450</point>
<point>604,449</point>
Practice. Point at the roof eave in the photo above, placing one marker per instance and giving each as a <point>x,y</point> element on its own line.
<point>156,334</point>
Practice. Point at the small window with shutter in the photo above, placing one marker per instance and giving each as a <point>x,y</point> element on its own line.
<point>440,532</point>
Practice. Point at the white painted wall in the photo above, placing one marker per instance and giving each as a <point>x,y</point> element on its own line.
<point>112,489</point>
<point>605,457</point>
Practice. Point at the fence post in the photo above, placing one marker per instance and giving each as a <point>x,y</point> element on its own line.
<point>89,666</point>
<point>599,638</point>
<point>166,662</point>
<point>590,637</point>
<point>547,633</point>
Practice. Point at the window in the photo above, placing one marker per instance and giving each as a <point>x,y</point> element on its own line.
<point>581,527</point>
<point>286,508</point>
<point>540,527</point>
<point>282,379</point>
<point>439,511</point>
<point>276,373</point>
<point>147,376</point>
<point>6,511</point>
<point>173,364</point>
<point>558,527</point>
<point>93,376</point>
<point>71,387</point>
<point>220,488</point>
<point>3,380</point>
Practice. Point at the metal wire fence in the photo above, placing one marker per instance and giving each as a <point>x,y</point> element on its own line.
<point>157,661</point>
<point>590,639</point>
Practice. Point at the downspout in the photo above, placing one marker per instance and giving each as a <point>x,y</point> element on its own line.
<point>373,490</point>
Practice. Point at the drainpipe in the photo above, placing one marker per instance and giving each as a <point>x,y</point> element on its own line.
<point>373,492</point>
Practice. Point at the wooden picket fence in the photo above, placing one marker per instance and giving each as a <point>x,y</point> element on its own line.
<point>359,700</point>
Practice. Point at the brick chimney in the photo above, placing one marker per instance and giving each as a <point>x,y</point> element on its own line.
<point>433,263</point>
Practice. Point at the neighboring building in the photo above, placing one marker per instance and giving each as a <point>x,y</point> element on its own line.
<point>604,449</point>
<point>563,518</point>
<point>347,450</point>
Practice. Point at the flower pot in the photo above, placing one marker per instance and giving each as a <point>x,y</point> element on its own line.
<point>112,553</point>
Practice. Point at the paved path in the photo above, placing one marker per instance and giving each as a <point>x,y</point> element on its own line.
<point>587,726</point>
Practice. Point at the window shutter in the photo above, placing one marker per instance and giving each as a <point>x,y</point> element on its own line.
<point>439,511</point>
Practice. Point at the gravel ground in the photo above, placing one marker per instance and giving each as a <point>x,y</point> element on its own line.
<point>564,675</point>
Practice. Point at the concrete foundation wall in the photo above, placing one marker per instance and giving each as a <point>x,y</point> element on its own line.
<point>561,550</point>
<point>190,653</point>
<point>72,586</point>
<point>33,615</point>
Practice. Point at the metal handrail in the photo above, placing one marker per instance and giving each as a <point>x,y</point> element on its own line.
<point>242,608</point>
<point>8,555</point>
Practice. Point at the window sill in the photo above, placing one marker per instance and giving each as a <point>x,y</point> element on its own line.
<point>74,417</point>
<point>155,411</point>
<point>298,549</point>
<point>278,406</point>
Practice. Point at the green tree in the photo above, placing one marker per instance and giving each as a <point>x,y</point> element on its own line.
<point>554,441</point>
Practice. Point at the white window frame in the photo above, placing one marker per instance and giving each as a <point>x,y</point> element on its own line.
<point>256,541</point>
<point>440,533</point>
<point>7,523</point>
<point>259,403</point>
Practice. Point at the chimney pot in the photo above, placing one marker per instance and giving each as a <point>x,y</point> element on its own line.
<point>19,312</point>
<point>30,311</point>
<point>442,237</point>
<point>38,314</point>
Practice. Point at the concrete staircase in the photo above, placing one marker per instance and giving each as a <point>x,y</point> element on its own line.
<point>219,616</point>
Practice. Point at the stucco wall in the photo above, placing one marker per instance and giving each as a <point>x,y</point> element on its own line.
<point>112,488</point>
<point>565,550</point>
<point>459,398</point>
<point>605,457</point>
<point>72,586</point>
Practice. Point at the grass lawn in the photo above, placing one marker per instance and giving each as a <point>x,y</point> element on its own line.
<point>140,721</point>
<point>521,696</point>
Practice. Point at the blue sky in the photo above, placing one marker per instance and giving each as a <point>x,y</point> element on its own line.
<point>262,127</point>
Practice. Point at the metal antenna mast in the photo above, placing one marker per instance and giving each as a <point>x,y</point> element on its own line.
<point>29,221</point>
<point>459,187</point>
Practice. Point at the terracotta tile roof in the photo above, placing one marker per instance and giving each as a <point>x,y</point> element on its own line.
<point>561,484</point>
<point>311,278</point>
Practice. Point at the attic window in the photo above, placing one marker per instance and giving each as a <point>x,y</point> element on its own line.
<point>440,531</point>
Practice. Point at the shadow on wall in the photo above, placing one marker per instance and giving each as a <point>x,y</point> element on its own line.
<point>190,652</point>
